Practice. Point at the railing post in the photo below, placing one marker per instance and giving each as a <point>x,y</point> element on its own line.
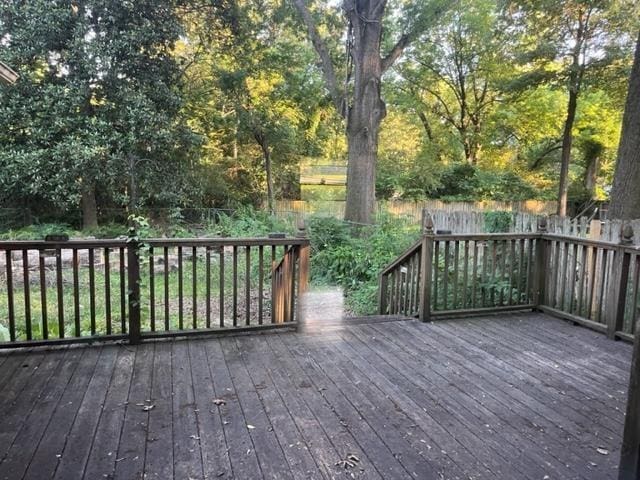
<point>383,292</point>
<point>304,264</point>
<point>620,278</point>
<point>540,263</point>
<point>305,257</point>
<point>133,284</point>
<point>629,468</point>
<point>426,267</point>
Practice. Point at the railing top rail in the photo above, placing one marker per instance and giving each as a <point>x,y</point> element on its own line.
<point>485,236</point>
<point>154,242</point>
<point>407,253</point>
<point>581,241</point>
<point>224,242</point>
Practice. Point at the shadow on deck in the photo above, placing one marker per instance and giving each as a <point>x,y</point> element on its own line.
<point>523,396</point>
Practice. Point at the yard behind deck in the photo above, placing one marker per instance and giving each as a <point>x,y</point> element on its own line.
<point>523,396</point>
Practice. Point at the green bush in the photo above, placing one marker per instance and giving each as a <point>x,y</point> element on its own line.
<point>39,231</point>
<point>354,263</point>
<point>109,230</point>
<point>249,222</point>
<point>497,222</point>
<point>326,233</point>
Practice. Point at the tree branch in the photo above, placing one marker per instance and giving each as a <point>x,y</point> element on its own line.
<point>328,71</point>
<point>396,51</point>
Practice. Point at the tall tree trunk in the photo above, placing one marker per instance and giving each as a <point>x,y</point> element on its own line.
<point>591,176</point>
<point>625,194</point>
<point>89,207</point>
<point>366,111</point>
<point>266,157</point>
<point>567,141</point>
<point>593,151</point>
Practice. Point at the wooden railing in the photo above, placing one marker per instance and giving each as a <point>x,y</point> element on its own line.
<point>594,283</point>
<point>83,291</point>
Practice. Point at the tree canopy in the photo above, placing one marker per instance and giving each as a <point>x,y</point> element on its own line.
<point>194,103</point>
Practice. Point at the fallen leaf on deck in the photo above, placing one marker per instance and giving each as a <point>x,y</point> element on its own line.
<point>219,401</point>
<point>602,451</point>
<point>349,462</point>
<point>146,408</point>
<point>250,427</point>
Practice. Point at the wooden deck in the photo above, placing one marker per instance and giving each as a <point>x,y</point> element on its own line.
<point>512,397</point>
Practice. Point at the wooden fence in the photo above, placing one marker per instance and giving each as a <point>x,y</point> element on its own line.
<point>411,210</point>
<point>82,291</point>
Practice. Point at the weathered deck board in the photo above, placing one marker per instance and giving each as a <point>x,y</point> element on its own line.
<point>515,396</point>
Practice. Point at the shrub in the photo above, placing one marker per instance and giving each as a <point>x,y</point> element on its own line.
<point>496,222</point>
<point>39,231</point>
<point>355,262</point>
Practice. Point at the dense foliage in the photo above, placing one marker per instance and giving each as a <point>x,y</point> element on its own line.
<point>180,103</point>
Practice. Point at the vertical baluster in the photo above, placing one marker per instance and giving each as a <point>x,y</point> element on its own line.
<point>107,290</point>
<point>221,292</point>
<point>398,290</point>
<point>465,274</point>
<point>456,254</point>
<point>563,279</point>
<point>503,267</point>
<point>572,277</point>
<point>512,270</point>
<point>152,291</point>
<point>274,287</point>
<point>180,291</point>
<point>76,294</point>
<point>483,276</point>
<point>494,269</point>
<point>475,279</point>
<point>194,287</point>
<point>166,289</point>
<point>92,290</point>
<point>605,277</point>
<point>635,290</point>
<point>247,284</point>
<point>417,283</point>
<point>436,270</point>
<point>10,301</point>
<point>123,294</point>
<point>411,286</point>
<point>583,279</point>
<point>552,275</point>
<point>392,295</point>
<point>591,282</point>
<point>521,270</point>
<point>533,245</point>
<point>292,283</point>
<point>284,281</point>
<point>27,295</point>
<point>235,285</point>
<point>260,283</point>
<point>43,297</point>
<point>208,284</point>
<point>445,279</point>
<point>60,293</point>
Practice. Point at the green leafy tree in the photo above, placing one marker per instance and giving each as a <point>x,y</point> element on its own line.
<point>570,43</point>
<point>94,115</point>
<point>259,118</point>
<point>456,73</point>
